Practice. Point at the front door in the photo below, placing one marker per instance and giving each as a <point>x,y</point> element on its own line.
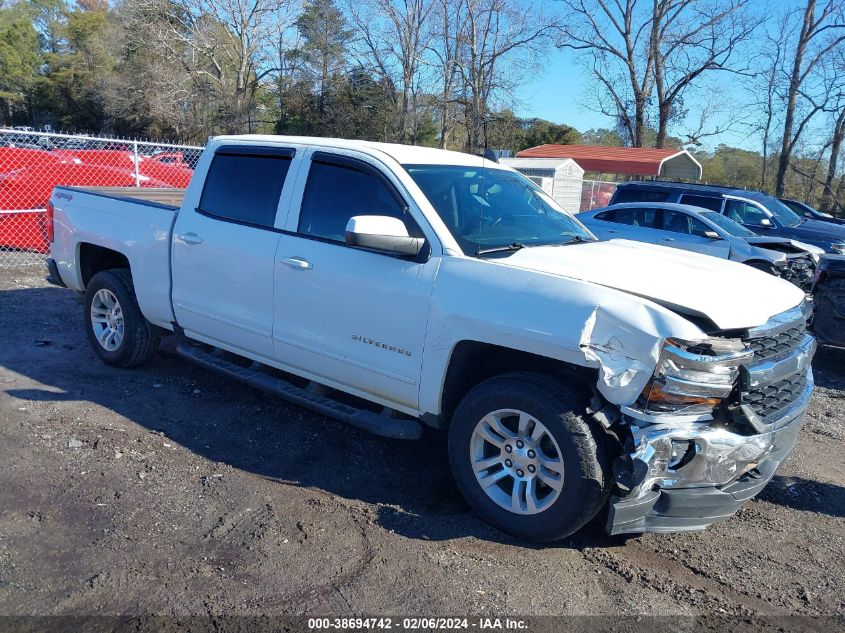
<point>354,318</point>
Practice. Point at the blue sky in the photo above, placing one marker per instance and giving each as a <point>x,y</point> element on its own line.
<point>559,92</point>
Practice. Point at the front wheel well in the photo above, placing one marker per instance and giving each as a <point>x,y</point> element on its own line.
<point>94,259</point>
<point>473,362</point>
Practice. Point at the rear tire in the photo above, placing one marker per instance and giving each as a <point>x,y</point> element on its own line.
<point>539,425</point>
<point>118,332</point>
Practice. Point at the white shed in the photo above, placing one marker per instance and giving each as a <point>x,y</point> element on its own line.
<point>561,178</point>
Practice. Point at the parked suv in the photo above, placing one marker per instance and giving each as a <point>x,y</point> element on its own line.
<point>757,211</point>
<point>802,208</point>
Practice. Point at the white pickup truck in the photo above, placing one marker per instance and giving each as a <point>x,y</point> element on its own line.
<point>397,287</point>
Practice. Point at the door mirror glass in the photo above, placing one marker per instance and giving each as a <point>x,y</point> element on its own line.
<point>712,235</point>
<point>382,233</point>
<point>766,222</point>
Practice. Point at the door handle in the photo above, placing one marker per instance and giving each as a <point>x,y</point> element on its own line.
<point>189,238</point>
<point>668,239</point>
<point>296,262</point>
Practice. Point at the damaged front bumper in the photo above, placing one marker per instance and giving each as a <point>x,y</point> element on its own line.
<point>687,477</point>
<point>685,472</point>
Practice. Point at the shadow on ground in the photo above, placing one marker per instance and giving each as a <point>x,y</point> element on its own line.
<point>248,430</point>
<point>805,494</point>
<point>226,422</point>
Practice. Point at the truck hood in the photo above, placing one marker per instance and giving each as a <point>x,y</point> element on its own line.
<point>732,295</point>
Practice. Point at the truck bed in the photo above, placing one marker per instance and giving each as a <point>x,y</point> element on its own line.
<point>170,197</point>
<point>137,223</point>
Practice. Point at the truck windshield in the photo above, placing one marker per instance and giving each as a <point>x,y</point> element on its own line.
<point>494,208</point>
<point>733,228</point>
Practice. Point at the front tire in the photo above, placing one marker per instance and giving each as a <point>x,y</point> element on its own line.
<point>118,332</point>
<point>528,457</point>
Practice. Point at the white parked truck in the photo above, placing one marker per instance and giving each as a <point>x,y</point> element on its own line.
<point>397,287</point>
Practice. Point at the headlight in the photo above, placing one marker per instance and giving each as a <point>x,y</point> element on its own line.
<point>694,377</point>
<point>839,249</point>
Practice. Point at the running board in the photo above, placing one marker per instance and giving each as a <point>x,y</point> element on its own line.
<point>308,396</point>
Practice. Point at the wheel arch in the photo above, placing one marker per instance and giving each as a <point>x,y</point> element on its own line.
<point>93,259</point>
<point>472,362</point>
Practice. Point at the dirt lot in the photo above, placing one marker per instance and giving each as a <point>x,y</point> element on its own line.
<point>171,491</point>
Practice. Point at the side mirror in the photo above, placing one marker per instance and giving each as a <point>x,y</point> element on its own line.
<point>382,233</point>
<point>766,223</point>
<point>712,235</point>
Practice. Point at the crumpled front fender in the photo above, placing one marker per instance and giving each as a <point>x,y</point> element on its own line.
<point>626,348</point>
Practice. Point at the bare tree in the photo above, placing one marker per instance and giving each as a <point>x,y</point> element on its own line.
<point>617,41</point>
<point>394,35</point>
<point>829,198</point>
<point>444,42</point>
<point>494,34</point>
<point>822,30</point>
<point>691,38</point>
<point>766,88</point>
<point>227,42</point>
<point>646,56</point>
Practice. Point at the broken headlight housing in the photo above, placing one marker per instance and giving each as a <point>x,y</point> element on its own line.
<point>694,378</point>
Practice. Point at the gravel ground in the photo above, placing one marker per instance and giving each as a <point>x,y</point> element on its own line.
<point>167,490</point>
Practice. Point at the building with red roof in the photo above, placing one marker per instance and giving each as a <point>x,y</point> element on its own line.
<point>633,161</point>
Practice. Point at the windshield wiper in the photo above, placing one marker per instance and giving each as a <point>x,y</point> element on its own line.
<point>510,248</point>
<point>576,239</point>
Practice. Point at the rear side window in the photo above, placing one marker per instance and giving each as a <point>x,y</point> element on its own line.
<point>337,192</point>
<point>245,188</point>
<point>636,217</point>
<point>705,202</point>
<point>606,216</point>
<point>635,194</point>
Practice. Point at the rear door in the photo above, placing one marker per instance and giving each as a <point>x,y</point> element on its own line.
<point>224,250</point>
<point>633,223</point>
<point>352,318</point>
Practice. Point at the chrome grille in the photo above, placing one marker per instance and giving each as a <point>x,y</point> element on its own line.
<point>769,400</point>
<point>779,376</point>
<point>777,345</point>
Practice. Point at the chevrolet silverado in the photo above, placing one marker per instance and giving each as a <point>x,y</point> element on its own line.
<point>396,287</point>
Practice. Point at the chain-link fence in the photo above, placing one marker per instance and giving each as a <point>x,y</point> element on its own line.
<point>33,163</point>
<point>596,193</point>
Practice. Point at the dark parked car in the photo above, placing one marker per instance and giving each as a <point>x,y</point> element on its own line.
<point>829,300</point>
<point>757,211</point>
<point>802,208</point>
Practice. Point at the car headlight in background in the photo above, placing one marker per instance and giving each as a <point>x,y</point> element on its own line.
<point>838,248</point>
<point>694,377</point>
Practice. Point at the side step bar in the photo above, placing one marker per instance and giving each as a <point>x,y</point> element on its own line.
<point>254,376</point>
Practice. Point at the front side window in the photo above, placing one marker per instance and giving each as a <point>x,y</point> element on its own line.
<point>785,216</point>
<point>744,212</point>
<point>488,208</point>
<point>677,222</point>
<point>336,193</point>
<point>244,188</point>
